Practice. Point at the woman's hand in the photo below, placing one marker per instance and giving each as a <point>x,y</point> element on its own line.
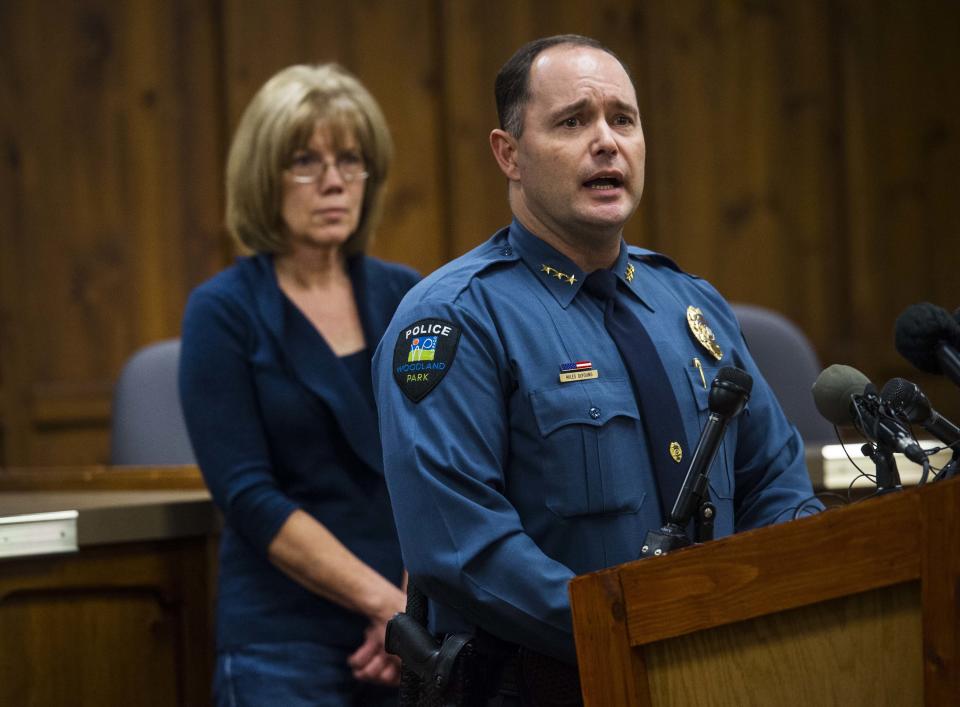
<point>371,663</point>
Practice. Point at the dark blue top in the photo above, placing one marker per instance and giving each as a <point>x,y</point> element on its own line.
<point>278,422</point>
<point>358,364</point>
<point>508,478</point>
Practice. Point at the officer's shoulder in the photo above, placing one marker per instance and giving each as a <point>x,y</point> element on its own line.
<point>450,281</point>
<point>666,264</point>
<point>654,259</point>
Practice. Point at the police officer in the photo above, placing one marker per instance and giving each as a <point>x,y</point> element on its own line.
<point>515,450</point>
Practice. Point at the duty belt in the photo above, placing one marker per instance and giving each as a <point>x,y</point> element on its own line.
<point>473,671</point>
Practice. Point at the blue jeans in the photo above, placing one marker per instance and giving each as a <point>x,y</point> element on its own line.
<point>295,674</point>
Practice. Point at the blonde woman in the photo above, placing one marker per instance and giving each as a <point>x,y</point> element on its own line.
<point>276,390</point>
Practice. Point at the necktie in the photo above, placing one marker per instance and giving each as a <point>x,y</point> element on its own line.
<point>651,386</point>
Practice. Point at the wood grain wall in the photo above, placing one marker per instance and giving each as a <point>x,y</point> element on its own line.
<point>801,155</point>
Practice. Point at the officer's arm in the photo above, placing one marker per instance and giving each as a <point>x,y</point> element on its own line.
<point>772,482</point>
<point>445,441</point>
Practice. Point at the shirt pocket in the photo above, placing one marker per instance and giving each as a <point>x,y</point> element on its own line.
<point>720,476</point>
<point>592,447</point>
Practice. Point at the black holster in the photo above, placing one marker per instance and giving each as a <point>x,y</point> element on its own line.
<point>472,671</point>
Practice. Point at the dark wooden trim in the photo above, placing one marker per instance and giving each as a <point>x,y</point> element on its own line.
<point>940,593</point>
<point>98,478</point>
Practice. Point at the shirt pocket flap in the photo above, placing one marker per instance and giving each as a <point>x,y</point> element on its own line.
<point>700,393</point>
<point>592,403</point>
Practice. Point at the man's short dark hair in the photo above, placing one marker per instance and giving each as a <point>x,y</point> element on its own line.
<point>512,87</point>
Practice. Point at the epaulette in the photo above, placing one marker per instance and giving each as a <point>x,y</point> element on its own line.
<point>453,278</point>
<point>650,256</point>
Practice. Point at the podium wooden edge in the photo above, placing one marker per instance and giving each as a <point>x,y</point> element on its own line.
<point>906,536</point>
<point>602,638</point>
<point>940,594</point>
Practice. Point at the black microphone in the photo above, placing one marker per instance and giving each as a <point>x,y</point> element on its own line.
<point>728,396</point>
<point>929,338</point>
<point>908,401</point>
<point>845,396</point>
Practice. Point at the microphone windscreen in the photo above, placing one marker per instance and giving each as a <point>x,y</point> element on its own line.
<point>919,329</point>
<point>737,376</point>
<point>898,391</point>
<point>906,398</point>
<point>729,391</point>
<point>833,389</point>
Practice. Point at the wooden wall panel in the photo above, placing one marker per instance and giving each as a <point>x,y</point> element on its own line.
<point>800,156</point>
<point>901,123</point>
<point>737,87</point>
<point>479,37</point>
<point>397,56</point>
<point>116,179</point>
<point>393,50</point>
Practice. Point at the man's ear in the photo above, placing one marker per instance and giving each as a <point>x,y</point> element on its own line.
<point>504,146</point>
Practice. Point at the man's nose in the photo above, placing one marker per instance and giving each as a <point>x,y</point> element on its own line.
<point>604,140</point>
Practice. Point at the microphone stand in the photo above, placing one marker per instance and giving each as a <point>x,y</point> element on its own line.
<point>659,542</point>
<point>950,469</point>
<point>888,476</point>
<point>728,396</point>
<point>706,513</point>
<point>672,535</point>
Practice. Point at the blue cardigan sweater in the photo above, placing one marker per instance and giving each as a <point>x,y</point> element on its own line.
<point>277,423</point>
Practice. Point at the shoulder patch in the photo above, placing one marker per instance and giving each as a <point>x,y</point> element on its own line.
<point>423,354</point>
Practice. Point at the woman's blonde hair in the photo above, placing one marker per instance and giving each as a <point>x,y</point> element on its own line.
<point>281,119</point>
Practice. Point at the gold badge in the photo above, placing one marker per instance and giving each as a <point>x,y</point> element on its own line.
<point>553,272</point>
<point>702,332</point>
<point>629,272</point>
<point>676,451</point>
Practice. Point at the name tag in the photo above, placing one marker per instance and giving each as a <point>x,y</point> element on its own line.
<point>578,376</point>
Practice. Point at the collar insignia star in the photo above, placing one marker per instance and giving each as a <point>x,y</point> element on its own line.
<point>629,272</point>
<point>553,272</point>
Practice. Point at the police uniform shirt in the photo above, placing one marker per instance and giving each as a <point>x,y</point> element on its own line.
<point>508,477</point>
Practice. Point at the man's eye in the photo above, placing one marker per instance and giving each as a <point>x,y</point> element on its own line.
<point>570,122</point>
<point>622,120</point>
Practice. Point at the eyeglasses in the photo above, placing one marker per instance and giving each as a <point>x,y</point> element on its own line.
<point>309,167</point>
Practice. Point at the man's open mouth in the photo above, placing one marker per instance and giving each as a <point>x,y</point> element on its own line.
<point>603,183</point>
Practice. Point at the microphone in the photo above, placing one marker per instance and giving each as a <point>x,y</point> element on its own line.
<point>834,392</point>
<point>728,396</point>
<point>909,402</point>
<point>929,338</point>
<point>845,396</point>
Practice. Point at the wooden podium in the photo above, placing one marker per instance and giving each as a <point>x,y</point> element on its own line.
<point>855,606</point>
